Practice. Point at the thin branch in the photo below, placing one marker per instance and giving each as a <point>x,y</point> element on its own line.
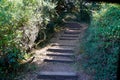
<point>44,34</point>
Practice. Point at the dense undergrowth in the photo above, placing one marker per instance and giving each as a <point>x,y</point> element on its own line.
<point>102,42</point>
<point>20,23</point>
<point>26,24</point>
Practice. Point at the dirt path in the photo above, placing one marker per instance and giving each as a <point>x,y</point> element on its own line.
<point>57,61</point>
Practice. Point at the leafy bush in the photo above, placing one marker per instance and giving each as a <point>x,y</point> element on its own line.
<point>102,42</point>
<point>10,61</point>
<point>14,15</point>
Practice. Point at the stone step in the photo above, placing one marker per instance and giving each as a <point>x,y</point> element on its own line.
<point>66,39</point>
<point>61,50</point>
<point>73,25</point>
<point>70,42</point>
<point>57,75</point>
<point>71,36</point>
<point>62,45</point>
<point>66,32</point>
<point>62,55</point>
<point>59,60</point>
<point>74,28</point>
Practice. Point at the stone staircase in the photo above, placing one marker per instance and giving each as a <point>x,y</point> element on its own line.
<point>62,56</point>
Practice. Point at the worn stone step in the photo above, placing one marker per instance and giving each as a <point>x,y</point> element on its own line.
<point>66,47</point>
<point>70,36</point>
<point>62,55</point>
<point>66,39</point>
<point>63,45</point>
<point>66,32</point>
<point>59,60</point>
<point>66,42</point>
<point>54,44</point>
<point>57,75</point>
<point>57,66</point>
<point>74,28</point>
<point>61,50</point>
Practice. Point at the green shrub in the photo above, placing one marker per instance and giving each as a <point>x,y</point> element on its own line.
<point>102,42</point>
<point>14,15</point>
<point>10,61</point>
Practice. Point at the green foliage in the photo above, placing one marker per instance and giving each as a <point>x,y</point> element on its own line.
<point>83,11</point>
<point>102,42</point>
<point>15,14</point>
<point>11,19</point>
<point>10,61</point>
